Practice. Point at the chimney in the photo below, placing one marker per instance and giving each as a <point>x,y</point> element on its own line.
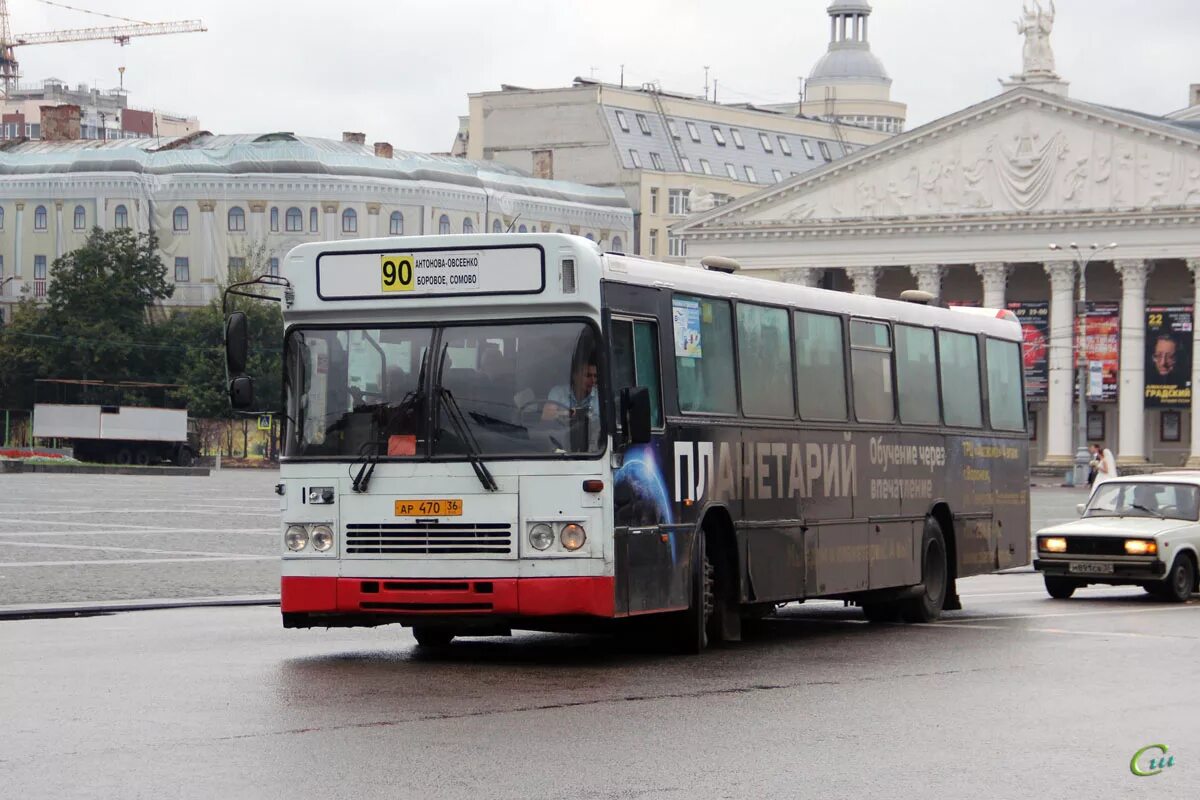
<point>383,150</point>
<point>350,137</point>
<point>60,123</point>
<point>1194,95</point>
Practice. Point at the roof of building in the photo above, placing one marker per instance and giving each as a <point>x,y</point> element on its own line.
<point>845,61</point>
<point>282,153</point>
<point>849,7</point>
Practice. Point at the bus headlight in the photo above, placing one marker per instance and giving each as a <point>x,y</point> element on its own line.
<point>573,536</point>
<point>322,538</point>
<point>1141,547</point>
<point>296,538</point>
<point>541,536</point>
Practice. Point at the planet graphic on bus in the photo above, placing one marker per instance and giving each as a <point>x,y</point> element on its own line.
<point>641,494</point>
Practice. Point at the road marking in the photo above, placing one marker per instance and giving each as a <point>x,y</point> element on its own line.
<point>47,545</point>
<point>125,561</point>
<point>1109,633</point>
<point>1082,614</point>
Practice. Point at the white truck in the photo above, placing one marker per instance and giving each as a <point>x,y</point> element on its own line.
<point>116,433</point>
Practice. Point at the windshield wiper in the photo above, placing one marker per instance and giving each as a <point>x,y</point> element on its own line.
<point>468,439</point>
<point>363,478</point>
<point>1141,507</point>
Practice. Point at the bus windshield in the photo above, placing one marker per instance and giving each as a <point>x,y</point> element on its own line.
<point>518,389</point>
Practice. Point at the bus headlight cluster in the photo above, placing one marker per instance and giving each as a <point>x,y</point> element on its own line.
<point>300,537</point>
<point>571,536</point>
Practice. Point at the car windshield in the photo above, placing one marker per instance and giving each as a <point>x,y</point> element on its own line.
<point>514,390</point>
<point>1145,499</point>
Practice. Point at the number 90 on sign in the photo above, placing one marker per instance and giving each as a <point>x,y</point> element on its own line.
<point>396,273</point>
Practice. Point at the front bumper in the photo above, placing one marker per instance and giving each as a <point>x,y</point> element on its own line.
<point>501,598</point>
<point>1122,571</point>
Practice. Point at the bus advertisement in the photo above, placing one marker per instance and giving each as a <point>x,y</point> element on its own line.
<point>486,433</point>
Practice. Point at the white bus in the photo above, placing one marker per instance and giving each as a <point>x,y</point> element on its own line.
<point>495,432</point>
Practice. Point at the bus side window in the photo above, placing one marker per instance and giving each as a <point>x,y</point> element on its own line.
<point>820,366</point>
<point>765,361</point>
<point>635,363</point>
<point>871,371</point>
<point>1005,398</point>
<point>959,363</point>
<point>916,375</point>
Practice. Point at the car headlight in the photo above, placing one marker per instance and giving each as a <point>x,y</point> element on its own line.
<point>573,536</point>
<point>296,537</point>
<point>1141,547</point>
<point>322,538</point>
<point>1053,544</point>
<point>541,536</point>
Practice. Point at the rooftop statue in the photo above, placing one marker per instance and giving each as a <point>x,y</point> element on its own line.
<point>1035,26</point>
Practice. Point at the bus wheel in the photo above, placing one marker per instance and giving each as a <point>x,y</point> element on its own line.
<point>928,605</point>
<point>142,456</point>
<point>1060,588</point>
<point>689,629</point>
<point>428,636</point>
<point>125,456</point>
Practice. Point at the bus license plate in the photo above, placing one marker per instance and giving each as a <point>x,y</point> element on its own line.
<point>429,508</point>
<point>1090,569</point>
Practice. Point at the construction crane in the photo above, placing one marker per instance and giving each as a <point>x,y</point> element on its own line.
<point>121,34</point>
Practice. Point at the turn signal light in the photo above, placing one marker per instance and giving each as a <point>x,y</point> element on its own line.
<point>593,486</point>
<point>1140,547</point>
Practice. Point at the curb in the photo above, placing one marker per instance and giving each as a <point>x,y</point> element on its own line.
<point>95,608</point>
<point>100,469</point>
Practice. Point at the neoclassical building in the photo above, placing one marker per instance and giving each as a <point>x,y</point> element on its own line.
<point>967,208</point>
<point>221,201</point>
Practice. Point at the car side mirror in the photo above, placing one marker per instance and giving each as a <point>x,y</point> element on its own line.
<point>1079,508</point>
<point>241,393</point>
<point>236,342</point>
<point>635,414</point>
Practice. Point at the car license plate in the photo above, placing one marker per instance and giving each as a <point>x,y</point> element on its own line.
<point>1086,568</point>
<point>429,508</point>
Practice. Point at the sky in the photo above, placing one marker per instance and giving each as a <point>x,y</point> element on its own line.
<point>400,71</point>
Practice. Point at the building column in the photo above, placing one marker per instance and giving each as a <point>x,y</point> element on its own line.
<point>258,226</point>
<point>929,278</point>
<point>994,275</point>
<point>373,220</point>
<point>1131,400</point>
<point>865,279</point>
<point>1193,461</point>
<point>1059,427</point>
<point>333,228</point>
<point>208,235</point>
<point>58,230</point>
<point>802,276</point>
<point>18,227</point>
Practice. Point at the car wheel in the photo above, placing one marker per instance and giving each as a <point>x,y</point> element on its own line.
<point>1177,587</point>
<point>1060,588</point>
<point>427,636</point>
<point>934,577</point>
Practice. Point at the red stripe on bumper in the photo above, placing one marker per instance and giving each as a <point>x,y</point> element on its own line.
<point>534,597</point>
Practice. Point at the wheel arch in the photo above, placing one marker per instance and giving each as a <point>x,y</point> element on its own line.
<point>939,510</point>
<point>720,540</point>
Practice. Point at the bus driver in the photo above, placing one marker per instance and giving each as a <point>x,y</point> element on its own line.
<point>578,404</point>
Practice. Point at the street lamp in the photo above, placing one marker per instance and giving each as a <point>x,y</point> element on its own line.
<point>1082,259</point>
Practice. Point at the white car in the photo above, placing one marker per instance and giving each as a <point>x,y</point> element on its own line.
<point>1142,530</point>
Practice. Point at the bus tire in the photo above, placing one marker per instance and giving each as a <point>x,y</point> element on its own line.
<point>432,637</point>
<point>689,629</point>
<point>124,457</point>
<point>935,572</point>
<point>142,457</point>
<point>1060,588</point>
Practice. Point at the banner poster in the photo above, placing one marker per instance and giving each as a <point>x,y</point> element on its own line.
<point>1168,356</point>
<point>1103,347</point>
<point>1035,327</point>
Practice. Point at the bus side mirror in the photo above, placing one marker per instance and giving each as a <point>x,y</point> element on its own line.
<point>236,342</point>
<point>241,393</point>
<point>635,414</point>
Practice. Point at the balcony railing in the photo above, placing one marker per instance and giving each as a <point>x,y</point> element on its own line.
<point>39,287</point>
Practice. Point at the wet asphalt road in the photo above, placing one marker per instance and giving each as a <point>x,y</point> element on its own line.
<point>1016,696</point>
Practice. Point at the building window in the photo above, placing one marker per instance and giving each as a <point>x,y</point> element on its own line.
<point>705,167</point>
<point>737,138</point>
<point>179,219</point>
<point>1,218</point>
<point>824,148</point>
<point>444,224</point>
<point>80,218</point>
<point>522,229</point>
<point>653,199</point>
<point>312,219</point>
<point>778,175</point>
<point>693,131</point>
<point>468,226</point>
<point>673,129</point>
<point>687,165</point>
<point>39,218</point>
<point>679,202</point>
<point>183,271</point>
<point>718,136</point>
<point>237,219</point>
<point>654,241</point>
<point>121,217</point>
<point>635,158</point>
<point>643,124</point>
<point>237,267</point>
<point>274,219</point>
<point>766,142</point>
<point>676,247</point>
<point>273,267</point>
<point>807,146</point>
<point>622,122</point>
<point>750,176</point>
<point>784,147</point>
<point>616,244</point>
<point>657,161</point>
<point>293,220</point>
<point>39,268</point>
<point>349,221</point>
<point>591,237</point>
<point>396,224</point>
<point>497,226</point>
<point>731,171</point>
